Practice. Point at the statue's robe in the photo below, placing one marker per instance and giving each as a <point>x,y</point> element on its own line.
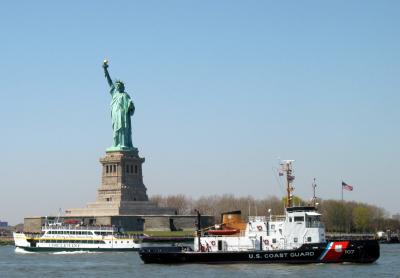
<point>122,108</point>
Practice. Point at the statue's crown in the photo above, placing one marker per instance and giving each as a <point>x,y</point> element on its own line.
<point>119,81</point>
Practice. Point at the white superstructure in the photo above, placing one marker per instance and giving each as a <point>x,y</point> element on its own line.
<point>300,225</point>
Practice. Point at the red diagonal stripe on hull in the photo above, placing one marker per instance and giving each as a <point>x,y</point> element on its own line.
<point>336,251</point>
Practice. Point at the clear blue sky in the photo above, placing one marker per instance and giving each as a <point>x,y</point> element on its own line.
<point>222,90</point>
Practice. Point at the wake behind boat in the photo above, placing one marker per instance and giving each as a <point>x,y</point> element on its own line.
<point>74,237</point>
<point>296,237</point>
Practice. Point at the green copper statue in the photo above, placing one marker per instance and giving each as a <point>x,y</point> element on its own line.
<point>122,108</point>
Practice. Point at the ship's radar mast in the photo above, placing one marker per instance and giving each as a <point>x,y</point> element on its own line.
<point>286,168</point>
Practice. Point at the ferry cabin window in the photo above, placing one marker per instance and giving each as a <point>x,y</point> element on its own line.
<point>274,240</point>
<point>290,219</point>
<point>295,239</point>
<point>299,219</point>
<point>309,239</point>
<point>272,227</point>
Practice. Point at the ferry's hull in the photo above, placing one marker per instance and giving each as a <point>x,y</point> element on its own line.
<point>60,249</point>
<point>331,252</point>
<point>71,244</point>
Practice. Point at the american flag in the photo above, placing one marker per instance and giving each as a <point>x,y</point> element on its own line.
<point>346,186</point>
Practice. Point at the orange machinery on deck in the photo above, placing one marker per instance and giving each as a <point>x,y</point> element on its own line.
<point>231,223</point>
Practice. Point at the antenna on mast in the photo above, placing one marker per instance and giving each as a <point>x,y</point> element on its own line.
<point>58,216</point>
<point>286,167</point>
<point>314,185</point>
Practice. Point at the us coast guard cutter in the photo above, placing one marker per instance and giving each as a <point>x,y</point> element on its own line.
<point>296,237</point>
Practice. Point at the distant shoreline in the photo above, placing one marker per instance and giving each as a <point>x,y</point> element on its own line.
<point>6,240</point>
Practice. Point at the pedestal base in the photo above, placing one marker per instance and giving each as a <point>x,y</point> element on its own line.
<point>122,208</point>
<point>122,191</point>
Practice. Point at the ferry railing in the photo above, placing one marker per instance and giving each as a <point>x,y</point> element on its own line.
<point>79,236</point>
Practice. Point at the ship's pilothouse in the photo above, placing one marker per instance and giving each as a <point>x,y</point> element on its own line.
<point>299,225</point>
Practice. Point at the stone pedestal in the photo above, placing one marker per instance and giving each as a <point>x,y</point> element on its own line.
<point>122,178</point>
<point>122,191</point>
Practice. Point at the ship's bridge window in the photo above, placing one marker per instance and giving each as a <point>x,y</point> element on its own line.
<point>299,219</point>
<point>313,221</point>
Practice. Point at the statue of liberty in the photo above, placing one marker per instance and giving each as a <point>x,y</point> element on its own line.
<point>122,108</point>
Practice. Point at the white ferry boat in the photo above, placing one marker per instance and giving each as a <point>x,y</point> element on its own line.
<point>73,237</point>
<point>296,237</point>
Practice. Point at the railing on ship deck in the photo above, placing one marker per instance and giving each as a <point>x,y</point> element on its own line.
<point>272,218</point>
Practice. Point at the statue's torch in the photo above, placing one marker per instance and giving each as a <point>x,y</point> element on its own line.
<point>105,63</point>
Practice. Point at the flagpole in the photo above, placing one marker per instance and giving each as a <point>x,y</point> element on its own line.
<point>342,203</point>
<point>342,191</point>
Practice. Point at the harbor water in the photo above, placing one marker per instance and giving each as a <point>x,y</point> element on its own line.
<point>18,263</point>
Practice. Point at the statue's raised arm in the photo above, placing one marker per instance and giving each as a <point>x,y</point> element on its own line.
<point>107,75</point>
